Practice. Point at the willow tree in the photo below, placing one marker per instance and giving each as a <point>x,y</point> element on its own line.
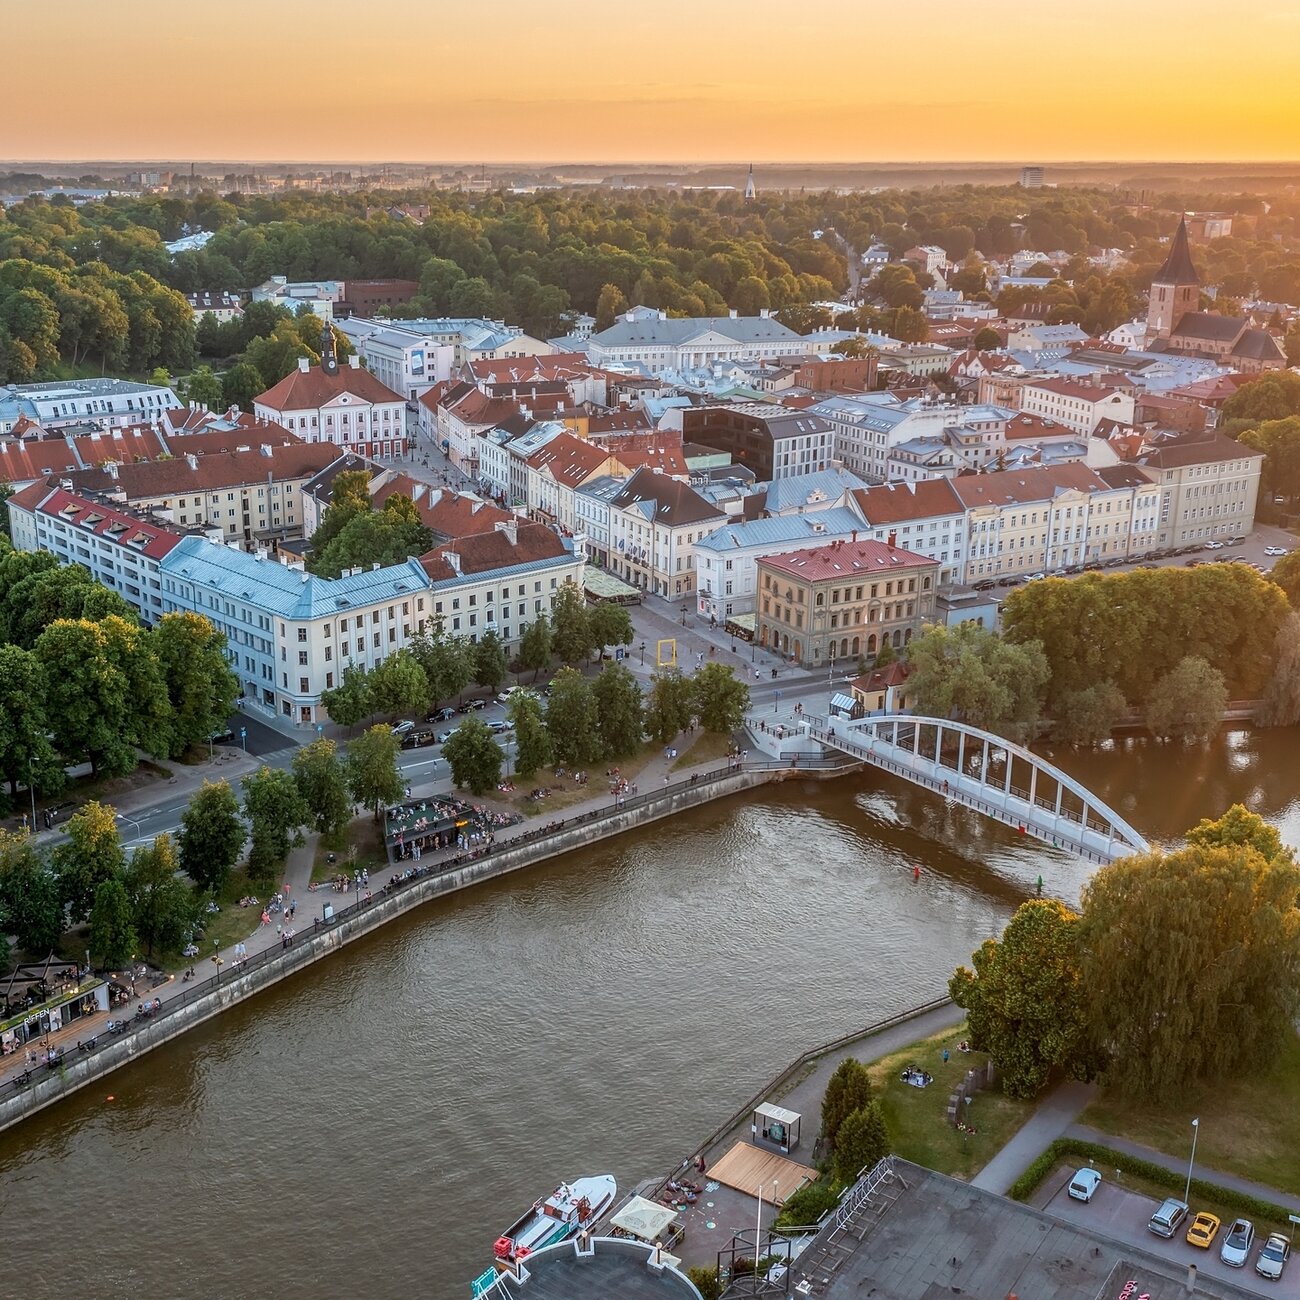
<point>1191,959</point>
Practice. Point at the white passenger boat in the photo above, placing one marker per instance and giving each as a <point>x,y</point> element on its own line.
<point>565,1212</point>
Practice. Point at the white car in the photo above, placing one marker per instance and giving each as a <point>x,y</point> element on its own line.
<point>1214,546</point>
<point>1272,1256</point>
<point>1084,1184</point>
<point>1236,1245</point>
<point>504,697</point>
<point>1275,550</point>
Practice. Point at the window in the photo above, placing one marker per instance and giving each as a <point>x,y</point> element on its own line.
<point>302,685</point>
<point>302,634</point>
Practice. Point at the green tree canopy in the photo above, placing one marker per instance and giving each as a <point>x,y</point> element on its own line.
<point>30,901</point>
<point>535,646</point>
<point>373,775</point>
<point>573,720</point>
<point>618,712</point>
<point>91,854</point>
<point>398,685</point>
<point>201,687</point>
<point>1188,701</point>
<point>1088,716</point>
<point>609,625</point>
<point>163,908</point>
<point>370,537</point>
<point>862,1141</point>
<point>572,639</point>
<point>490,665</point>
<point>719,698</point>
<point>26,754</point>
<point>211,836</point>
<point>474,757</point>
<point>323,785</point>
<point>352,699</point>
<point>532,740</point>
<point>276,814</point>
<point>113,940</point>
<point>847,1090</point>
<point>669,707</point>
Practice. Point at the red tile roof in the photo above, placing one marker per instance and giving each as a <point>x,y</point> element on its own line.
<point>846,559</point>
<point>136,442</point>
<point>121,526</point>
<point>448,514</point>
<point>569,460</point>
<point>311,389</point>
<point>484,552</point>
<point>218,469</point>
<point>893,503</point>
<point>558,365</point>
<point>1022,486</point>
<point>1037,426</point>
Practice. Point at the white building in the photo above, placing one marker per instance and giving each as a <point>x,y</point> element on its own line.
<point>97,403</point>
<point>222,307</point>
<point>1080,407</point>
<point>404,360</point>
<point>926,517</point>
<point>346,406</point>
<point>660,344</point>
<point>320,296</point>
<point>654,523</point>
<point>472,339</point>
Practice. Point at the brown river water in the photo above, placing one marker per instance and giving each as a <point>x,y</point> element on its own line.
<point>367,1128</point>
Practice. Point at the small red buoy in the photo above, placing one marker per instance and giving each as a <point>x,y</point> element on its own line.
<point>916,873</point>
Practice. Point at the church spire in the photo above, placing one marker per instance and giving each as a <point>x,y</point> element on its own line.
<point>1178,268</point>
<point>750,192</point>
<point>329,363</point>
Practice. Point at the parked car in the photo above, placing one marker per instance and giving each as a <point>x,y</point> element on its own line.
<point>444,736</point>
<point>1169,1217</point>
<point>1273,1256</point>
<point>222,737</point>
<point>1213,546</point>
<point>473,706</point>
<point>1236,1245</point>
<point>444,714</point>
<point>1236,541</point>
<point>403,728</point>
<point>1204,1229</point>
<point>504,697</point>
<point>1275,550</point>
<point>1035,577</point>
<point>984,584</point>
<point>499,727</point>
<point>1084,1184</point>
<point>417,739</point>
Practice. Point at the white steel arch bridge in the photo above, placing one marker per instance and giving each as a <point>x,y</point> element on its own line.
<point>985,772</point>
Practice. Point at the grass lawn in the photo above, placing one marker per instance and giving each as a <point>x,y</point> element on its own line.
<point>564,792</point>
<point>1247,1123</point>
<point>360,845</point>
<point>707,747</point>
<point>917,1118</point>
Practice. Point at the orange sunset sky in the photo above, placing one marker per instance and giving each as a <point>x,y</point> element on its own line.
<point>656,80</point>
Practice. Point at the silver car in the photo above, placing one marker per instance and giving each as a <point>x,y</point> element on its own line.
<point>1237,1244</point>
<point>1273,1256</point>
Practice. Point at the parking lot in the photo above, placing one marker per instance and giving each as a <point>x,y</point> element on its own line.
<point>1123,1216</point>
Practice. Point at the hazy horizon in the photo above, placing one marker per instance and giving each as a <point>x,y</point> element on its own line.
<point>668,84</point>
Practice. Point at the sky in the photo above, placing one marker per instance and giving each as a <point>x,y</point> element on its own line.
<point>650,80</point>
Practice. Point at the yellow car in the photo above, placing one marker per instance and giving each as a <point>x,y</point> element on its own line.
<point>1204,1229</point>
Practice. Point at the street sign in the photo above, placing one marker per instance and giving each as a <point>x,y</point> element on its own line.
<point>243,733</point>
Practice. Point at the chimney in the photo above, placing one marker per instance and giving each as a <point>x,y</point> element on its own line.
<point>304,364</point>
<point>111,466</point>
<point>355,361</point>
<point>511,529</point>
<point>893,538</point>
<point>374,566</point>
<point>452,559</point>
<point>190,459</point>
<point>733,313</point>
<point>855,535</point>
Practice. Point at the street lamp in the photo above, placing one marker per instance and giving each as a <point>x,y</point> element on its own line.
<point>683,615</point>
<point>216,959</point>
<point>642,654</point>
<point>1187,1191</point>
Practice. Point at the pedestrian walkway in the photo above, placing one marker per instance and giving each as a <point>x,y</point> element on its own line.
<point>1055,1113</point>
<point>1177,1165</point>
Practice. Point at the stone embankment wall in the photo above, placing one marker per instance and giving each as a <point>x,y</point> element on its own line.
<point>208,999</point>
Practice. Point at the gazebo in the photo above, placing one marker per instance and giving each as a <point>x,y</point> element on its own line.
<point>775,1127</point>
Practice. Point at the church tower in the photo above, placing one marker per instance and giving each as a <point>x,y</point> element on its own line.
<point>1176,289</point>
<point>750,192</point>
<point>329,363</point>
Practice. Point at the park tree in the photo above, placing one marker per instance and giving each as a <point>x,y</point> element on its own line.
<point>572,640</point>
<point>618,711</point>
<point>1217,995</point>
<point>670,706</point>
<point>1280,706</point>
<point>373,776</point>
<point>349,497</point>
<point>398,685</point>
<point>609,625</point>
<point>490,661</point>
<point>987,339</point>
<point>1238,828</point>
<point>448,661</point>
<point>352,699</point>
<point>1025,999</point>
<point>1286,574</point>
<point>535,646</point>
<point>719,698</point>
<point>26,753</point>
<point>474,757</point>
<point>973,674</point>
<point>609,303</point>
<point>203,388</point>
<point>323,785</point>
<point>201,687</point>
<point>276,814</point>
<point>241,386</point>
<point>91,854</point>
<point>30,902</point>
<point>163,908</point>
<point>1087,716</point>
<point>1273,396</point>
<point>211,836</point>
<point>113,940</point>
<point>370,537</point>
<point>532,740</point>
<point>862,1141</point>
<point>573,720</point>
<point>1279,440</point>
<point>1188,701</point>
<point>847,1090</point>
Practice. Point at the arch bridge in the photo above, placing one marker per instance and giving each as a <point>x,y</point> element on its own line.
<point>985,772</point>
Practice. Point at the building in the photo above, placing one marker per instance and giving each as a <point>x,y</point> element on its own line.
<point>773,441</point>
<point>726,559</point>
<point>290,634</point>
<point>473,339</point>
<point>660,344</point>
<point>882,690</point>
<point>408,362</point>
<point>319,296</point>
<point>95,403</point>
<point>251,495</point>
<point>1176,323</point>
<point>1208,488</point>
<point>1031,178</point>
<point>844,600</point>
<point>1077,406</point>
<point>222,307</point>
<point>555,472</point>
<point>654,523</point>
<point>366,297</point>
<point>344,406</point>
<point>927,517</point>
<point>122,548</point>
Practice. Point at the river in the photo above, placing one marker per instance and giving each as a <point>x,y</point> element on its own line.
<point>367,1128</point>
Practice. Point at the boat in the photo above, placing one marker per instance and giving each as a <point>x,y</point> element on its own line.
<point>569,1209</point>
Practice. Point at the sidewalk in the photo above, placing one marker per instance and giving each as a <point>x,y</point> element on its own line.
<point>1057,1111</point>
<point>1176,1164</point>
